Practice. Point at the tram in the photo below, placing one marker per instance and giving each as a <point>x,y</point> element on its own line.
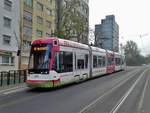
<point>54,62</point>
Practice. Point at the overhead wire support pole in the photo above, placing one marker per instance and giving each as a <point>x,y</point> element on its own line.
<point>142,39</point>
<point>21,35</point>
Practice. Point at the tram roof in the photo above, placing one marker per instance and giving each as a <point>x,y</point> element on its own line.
<point>61,42</point>
<point>69,43</point>
<point>98,49</point>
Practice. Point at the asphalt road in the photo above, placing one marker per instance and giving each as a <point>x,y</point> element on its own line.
<point>122,92</point>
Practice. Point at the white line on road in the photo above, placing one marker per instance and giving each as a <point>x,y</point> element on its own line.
<point>11,88</point>
<point>16,90</point>
<point>99,98</point>
<point>143,94</point>
<point>122,100</point>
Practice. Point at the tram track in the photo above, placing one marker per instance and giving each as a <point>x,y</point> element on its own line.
<point>89,107</point>
<point>123,99</point>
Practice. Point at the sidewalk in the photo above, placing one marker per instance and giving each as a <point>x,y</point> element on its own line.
<point>11,87</point>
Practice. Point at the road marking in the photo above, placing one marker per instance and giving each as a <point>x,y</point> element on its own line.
<point>143,94</point>
<point>122,100</point>
<point>19,100</point>
<point>86,108</point>
<point>2,91</point>
<point>16,90</point>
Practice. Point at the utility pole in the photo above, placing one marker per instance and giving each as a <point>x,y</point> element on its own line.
<point>19,50</point>
<point>20,35</point>
<point>142,40</point>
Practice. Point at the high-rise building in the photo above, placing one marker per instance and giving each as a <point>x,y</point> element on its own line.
<point>38,20</point>
<point>81,9</point>
<point>107,34</point>
<point>9,34</point>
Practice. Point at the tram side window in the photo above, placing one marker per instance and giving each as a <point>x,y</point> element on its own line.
<point>80,63</point>
<point>122,61</point>
<point>56,62</point>
<point>104,61</point>
<point>63,62</point>
<point>94,61</point>
<point>101,61</point>
<point>66,61</point>
<point>86,61</point>
<point>118,61</point>
<point>75,61</point>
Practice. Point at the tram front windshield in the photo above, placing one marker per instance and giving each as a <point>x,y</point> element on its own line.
<point>39,58</point>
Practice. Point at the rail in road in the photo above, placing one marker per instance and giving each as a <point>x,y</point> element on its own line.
<point>121,92</point>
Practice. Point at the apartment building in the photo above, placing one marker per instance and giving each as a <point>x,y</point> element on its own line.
<point>38,20</point>
<point>9,34</point>
<point>107,34</point>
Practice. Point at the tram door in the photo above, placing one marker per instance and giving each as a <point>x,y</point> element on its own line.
<point>81,66</point>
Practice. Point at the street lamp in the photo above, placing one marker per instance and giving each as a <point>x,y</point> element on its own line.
<point>141,36</point>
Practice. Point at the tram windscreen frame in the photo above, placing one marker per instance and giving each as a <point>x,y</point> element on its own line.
<point>39,59</point>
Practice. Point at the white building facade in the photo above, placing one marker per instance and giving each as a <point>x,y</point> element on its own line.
<point>9,34</point>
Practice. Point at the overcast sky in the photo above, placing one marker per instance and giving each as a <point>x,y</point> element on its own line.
<point>132,16</point>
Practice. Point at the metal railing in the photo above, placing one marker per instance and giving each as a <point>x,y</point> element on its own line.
<point>12,77</point>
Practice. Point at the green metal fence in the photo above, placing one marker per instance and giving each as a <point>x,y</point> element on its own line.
<point>12,77</point>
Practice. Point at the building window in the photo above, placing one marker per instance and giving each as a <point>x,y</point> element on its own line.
<point>12,60</point>
<point>27,31</point>
<point>8,5</point>
<point>28,2</point>
<point>48,24</point>
<point>27,16</point>
<point>5,59</point>
<point>26,44</point>
<point>39,33</point>
<point>7,22</point>
<point>39,6</point>
<point>6,39</point>
<point>48,34</point>
<point>52,31</point>
<point>39,20</point>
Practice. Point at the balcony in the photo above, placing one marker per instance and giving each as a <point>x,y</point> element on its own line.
<point>27,23</point>
<point>27,38</point>
<point>28,8</point>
